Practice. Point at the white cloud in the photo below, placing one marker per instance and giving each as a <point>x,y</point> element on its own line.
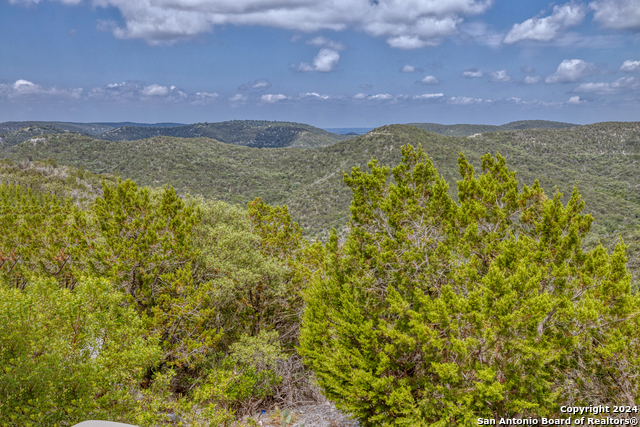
<point>273,98</point>
<point>546,29</point>
<point>472,73</point>
<point>530,80</point>
<point>25,89</point>
<point>410,42</point>
<point>238,99</point>
<point>575,100</point>
<point>428,96</point>
<point>325,61</point>
<point>69,2</point>
<point>500,76</point>
<point>155,90</point>
<point>623,84</point>
<point>321,41</point>
<point>316,95</point>
<point>464,100</point>
<point>429,80</point>
<point>136,90</point>
<point>406,24</point>
<point>571,70</point>
<point>259,84</point>
<point>617,14</point>
<point>630,66</point>
<point>408,69</point>
<point>381,97</point>
<point>204,98</point>
<point>378,97</point>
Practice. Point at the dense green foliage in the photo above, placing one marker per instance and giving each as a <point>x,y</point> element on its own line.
<point>437,313</point>
<point>202,298</point>
<point>69,355</point>
<point>212,295</point>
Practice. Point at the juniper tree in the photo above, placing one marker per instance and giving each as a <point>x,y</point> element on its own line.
<point>436,312</point>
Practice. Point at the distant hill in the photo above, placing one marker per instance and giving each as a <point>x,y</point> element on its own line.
<point>114,125</point>
<point>349,131</point>
<point>250,133</point>
<point>602,159</point>
<point>89,128</point>
<point>468,130</point>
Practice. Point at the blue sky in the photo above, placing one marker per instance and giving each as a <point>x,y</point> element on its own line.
<point>329,63</point>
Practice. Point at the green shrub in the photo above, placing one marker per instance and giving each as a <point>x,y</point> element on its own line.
<point>67,356</point>
<point>438,313</point>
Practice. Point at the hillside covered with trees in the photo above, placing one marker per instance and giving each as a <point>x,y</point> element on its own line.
<point>133,304</point>
<point>600,159</point>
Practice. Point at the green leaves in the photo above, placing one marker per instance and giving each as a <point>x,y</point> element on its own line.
<point>145,237</point>
<point>41,235</point>
<point>433,312</point>
<point>69,355</point>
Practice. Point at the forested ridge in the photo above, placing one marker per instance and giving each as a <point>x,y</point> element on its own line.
<point>449,289</point>
<point>602,160</point>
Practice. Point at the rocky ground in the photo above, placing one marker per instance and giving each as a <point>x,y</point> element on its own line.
<point>319,415</point>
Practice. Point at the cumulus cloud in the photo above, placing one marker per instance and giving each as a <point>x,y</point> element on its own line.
<point>464,100</point>
<point>316,95</point>
<point>617,14</point>
<point>204,98</point>
<point>325,61</point>
<point>133,90</point>
<point>21,89</point>
<point>381,97</point>
<point>428,96</point>
<point>407,24</point>
<point>321,41</point>
<point>575,100</point>
<point>472,73</point>
<point>530,80</point>
<point>547,29</point>
<point>69,2</point>
<point>630,66</point>
<point>571,70</point>
<point>623,84</point>
<point>429,80</point>
<point>259,84</point>
<point>238,99</point>
<point>273,98</point>
<point>155,90</point>
<point>409,69</point>
<point>378,97</point>
<point>500,76</point>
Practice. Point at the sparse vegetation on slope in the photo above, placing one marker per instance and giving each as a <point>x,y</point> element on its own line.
<point>47,177</point>
<point>467,130</point>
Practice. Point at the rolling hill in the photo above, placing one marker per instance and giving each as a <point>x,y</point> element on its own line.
<point>250,133</point>
<point>468,130</point>
<point>602,159</point>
